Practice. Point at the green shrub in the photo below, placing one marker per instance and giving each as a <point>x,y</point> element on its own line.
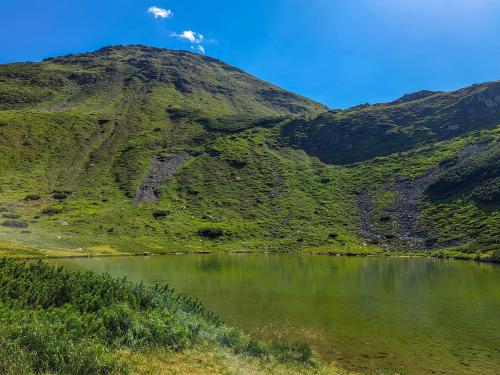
<point>496,256</point>
<point>257,349</point>
<point>11,216</point>
<point>102,121</point>
<point>300,352</point>
<point>57,321</point>
<point>60,196</point>
<point>160,214</point>
<point>237,164</point>
<point>488,191</point>
<point>13,359</point>
<point>15,224</point>
<point>212,233</point>
<point>32,197</point>
<point>230,338</point>
<point>51,343</point>
<point>51,211</point>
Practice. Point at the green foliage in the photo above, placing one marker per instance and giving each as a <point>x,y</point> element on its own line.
<point>487,191</point>
<point>496,256</point>
<point>160,214</point>
<point>300,352</point>
<point>51,211</point>
<point>211,233</point>
<point>60,196</point>
<point>32,197</point>
<point>11,216</point>
<point>478,174</point>
<point>15,224</point>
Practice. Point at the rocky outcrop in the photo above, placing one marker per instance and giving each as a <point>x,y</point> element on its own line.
<point>366,208</point>
<point>162,168</point>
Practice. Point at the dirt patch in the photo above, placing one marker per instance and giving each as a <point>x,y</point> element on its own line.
<point>162,168</point>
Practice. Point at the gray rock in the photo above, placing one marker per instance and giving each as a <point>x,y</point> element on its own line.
<point>162,168</point>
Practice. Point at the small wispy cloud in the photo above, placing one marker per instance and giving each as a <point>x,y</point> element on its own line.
<point>195,39</point>
<point>160,12</point>
<point>189,36</point>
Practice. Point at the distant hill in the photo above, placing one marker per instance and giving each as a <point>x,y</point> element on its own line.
<point>365,132</point>
<point>140,149</point>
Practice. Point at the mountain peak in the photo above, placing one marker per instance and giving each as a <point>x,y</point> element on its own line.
<point>208,82</point>
<point>422,94</point>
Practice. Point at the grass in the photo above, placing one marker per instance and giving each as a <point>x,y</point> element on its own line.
<point>207,360</point>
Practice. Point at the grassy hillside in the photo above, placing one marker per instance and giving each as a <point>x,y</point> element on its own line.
<point>365,132</point>
<point>138,149</point>
<point>56,321</point>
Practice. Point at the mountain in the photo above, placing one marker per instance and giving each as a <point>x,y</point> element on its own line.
<point>365,132</point>
<point>68,81</point>
<point>140,149</point>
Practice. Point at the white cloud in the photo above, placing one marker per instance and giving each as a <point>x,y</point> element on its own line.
<point>199,48</point>
<point>160,12</point>
<point>195,39</point>
<point>190,36</point>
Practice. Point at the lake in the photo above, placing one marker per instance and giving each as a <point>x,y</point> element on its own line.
<point>418,315</point>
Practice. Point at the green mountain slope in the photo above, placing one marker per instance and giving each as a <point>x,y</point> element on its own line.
<point>138,149</point>
<point>365,132</point>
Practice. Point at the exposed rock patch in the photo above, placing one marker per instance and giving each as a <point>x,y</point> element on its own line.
<point>367,208</point>
<point>162,168</point>
<point>407,209</point>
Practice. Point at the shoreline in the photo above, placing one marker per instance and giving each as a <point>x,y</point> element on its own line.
<point>246,252</point>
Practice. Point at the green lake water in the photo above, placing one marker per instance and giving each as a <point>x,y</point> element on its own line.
<point>423,316</point>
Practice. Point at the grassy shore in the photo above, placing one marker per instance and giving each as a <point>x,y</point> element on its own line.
<point>17,250</point>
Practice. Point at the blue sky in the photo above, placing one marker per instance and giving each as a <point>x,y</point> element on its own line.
<point>339,52</point>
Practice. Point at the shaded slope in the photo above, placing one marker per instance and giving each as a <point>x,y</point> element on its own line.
<point>365,132</point>
<point>477,175</point>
